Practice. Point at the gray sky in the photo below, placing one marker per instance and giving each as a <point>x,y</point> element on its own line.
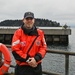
<point>62,11</point>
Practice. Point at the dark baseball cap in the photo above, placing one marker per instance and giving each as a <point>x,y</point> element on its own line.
<point>29,14</point>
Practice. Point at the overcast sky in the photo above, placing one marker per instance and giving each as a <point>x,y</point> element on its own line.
<point>62,11</point>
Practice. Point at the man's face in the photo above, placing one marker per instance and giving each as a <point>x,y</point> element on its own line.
<point>28,22</point>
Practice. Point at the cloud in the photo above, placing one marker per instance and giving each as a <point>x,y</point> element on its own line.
<point>57,10</point>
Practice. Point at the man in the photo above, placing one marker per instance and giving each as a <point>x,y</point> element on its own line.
<point>28,47</point>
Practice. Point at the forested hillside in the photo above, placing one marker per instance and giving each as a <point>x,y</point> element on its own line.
<point>38,22</point>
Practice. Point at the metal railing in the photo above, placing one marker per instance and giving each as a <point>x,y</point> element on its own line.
<point>66,53</point>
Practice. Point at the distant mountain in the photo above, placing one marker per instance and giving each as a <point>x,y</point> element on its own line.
<point>38,22</point>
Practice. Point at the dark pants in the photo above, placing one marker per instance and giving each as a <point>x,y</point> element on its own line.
<point>27,70</point>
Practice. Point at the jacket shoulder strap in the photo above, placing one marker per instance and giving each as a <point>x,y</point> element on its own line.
<point>32,44</point>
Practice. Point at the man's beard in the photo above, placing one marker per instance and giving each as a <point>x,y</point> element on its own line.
<point>29,26</point>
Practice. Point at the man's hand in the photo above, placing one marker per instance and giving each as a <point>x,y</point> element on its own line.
<point>32,62</point>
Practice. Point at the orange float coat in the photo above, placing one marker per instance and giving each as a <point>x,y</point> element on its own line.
<point>21,43</point>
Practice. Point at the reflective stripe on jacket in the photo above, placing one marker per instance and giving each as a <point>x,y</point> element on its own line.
<point>21,43</point>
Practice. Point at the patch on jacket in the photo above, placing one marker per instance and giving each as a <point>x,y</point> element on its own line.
<point>16,42</point>
<point>38,43</point>
<point>23,43</point>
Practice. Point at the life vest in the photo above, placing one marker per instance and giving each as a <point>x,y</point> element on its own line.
<point>7,59</point>
<point>22,42</point>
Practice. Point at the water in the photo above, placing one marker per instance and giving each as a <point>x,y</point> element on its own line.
<point>56,62</point>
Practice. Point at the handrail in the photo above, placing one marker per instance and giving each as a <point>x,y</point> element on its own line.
<point>55,51</point>
<point>61,52</point>
<point>66,53</point>
<point>50,73</point>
